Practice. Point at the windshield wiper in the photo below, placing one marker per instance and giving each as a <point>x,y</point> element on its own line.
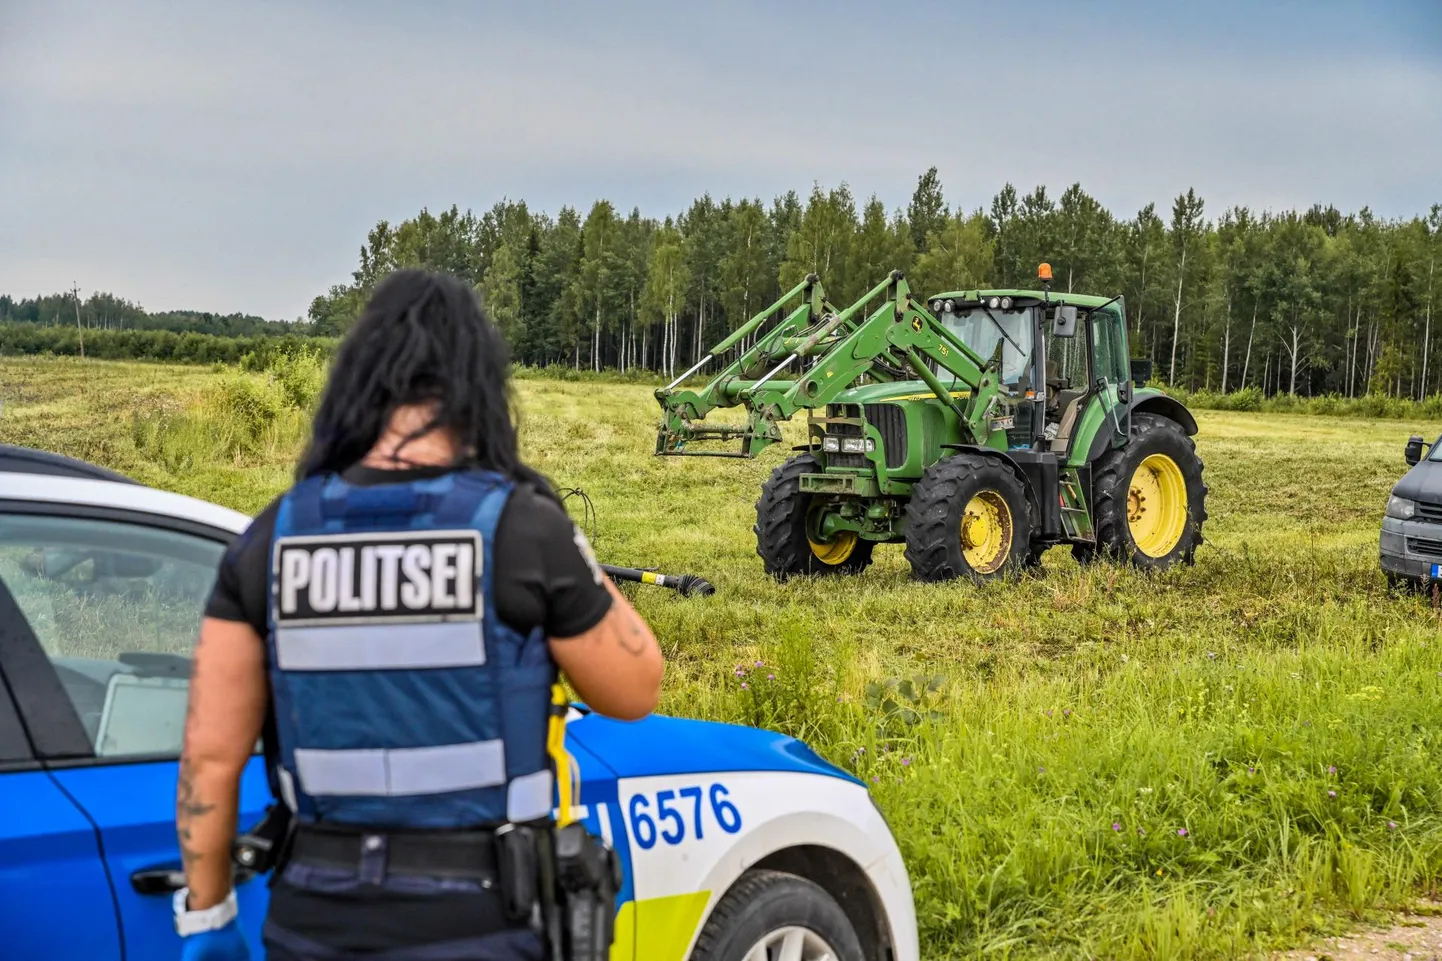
<point>1002,329</point>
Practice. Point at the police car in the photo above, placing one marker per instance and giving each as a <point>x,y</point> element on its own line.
<point>738,844</point>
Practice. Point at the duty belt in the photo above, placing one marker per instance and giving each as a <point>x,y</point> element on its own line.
<point>451,854</point>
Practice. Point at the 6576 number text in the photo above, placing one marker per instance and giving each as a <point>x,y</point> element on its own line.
<point>670,806</point>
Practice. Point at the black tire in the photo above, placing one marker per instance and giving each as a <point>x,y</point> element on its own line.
<point>1112,480</point>
<point>781,527</point>
<point>762,902</point>
<point>935,514</point>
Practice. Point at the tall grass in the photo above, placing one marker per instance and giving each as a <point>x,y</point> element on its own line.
<point>1096,763</point>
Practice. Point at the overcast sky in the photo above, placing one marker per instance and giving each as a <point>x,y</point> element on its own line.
<point>232,156</point>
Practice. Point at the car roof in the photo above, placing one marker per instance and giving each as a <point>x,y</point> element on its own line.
<point>42,477</point>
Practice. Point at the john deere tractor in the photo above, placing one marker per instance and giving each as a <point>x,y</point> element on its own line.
<point>978,428</point>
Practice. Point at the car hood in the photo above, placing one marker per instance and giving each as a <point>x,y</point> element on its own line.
<point>1422,483</point>
<point>671,745</point>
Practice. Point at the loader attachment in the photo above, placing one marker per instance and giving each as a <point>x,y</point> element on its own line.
<point>813,354</point>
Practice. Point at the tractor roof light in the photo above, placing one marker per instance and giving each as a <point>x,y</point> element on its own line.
<point>1043,272</point>
<point>994,302</point>
<point>936,306</point>
<point>949,306</point>
<point>1006,303</point>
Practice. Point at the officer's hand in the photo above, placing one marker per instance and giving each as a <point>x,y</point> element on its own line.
<point>223,944</point>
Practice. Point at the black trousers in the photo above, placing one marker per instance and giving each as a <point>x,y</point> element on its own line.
<point>322,914</point>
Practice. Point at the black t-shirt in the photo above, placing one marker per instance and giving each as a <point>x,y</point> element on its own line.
<point>543,576</point>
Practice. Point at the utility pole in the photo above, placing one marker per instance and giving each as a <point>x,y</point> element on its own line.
<point>76,291</point>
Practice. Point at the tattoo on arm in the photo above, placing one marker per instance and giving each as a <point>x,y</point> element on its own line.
<point>635,643</point>
<point>189,806</point>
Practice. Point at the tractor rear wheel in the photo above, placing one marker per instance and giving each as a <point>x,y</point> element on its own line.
<point>1150,497</point>
<point>786,536</point>
<point>968,517</point>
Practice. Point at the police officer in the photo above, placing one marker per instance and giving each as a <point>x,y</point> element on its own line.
<point>393,625</point>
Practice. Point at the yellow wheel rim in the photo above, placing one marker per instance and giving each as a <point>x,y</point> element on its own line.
<point>836,550</point>
<point>1157,505</point>
<point>986,532</point>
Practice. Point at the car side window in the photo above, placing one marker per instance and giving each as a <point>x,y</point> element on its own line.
<point>116,606</point>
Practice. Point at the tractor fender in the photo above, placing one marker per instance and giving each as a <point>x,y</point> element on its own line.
<point>1148,402</point>
<point>1001,458</point>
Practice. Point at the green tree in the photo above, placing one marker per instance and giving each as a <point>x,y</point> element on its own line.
<point>927,212</point>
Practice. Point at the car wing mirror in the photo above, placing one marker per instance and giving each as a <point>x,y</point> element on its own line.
<point>1063,322</point>
<point>1414,450</point>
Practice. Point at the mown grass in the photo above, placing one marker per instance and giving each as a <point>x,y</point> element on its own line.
<point>1211,762</point>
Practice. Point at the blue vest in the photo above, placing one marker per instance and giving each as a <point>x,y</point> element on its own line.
<point>400,698</point>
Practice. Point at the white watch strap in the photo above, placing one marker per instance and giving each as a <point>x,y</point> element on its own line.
<point>207,919</point>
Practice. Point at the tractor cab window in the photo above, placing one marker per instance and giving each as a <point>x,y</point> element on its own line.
<point>1066,363</point>
<point>982,330</point>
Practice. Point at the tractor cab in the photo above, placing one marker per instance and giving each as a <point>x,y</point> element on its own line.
<point>1053,352</point>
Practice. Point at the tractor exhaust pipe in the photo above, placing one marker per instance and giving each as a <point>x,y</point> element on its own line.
<point>684,584</point>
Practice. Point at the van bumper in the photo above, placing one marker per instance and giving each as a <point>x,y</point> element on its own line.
<point>1411,549</point>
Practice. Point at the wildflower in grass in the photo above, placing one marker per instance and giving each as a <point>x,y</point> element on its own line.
<point>1181,832</point>
<point>906,762</point>
<point>1066,712</point>
<point>1116,826</point>
<point>745,686</point>
<point>1251,770</point>
<point>1331,794</point>
<point>1391,825</point>
<point>758,663</point>
<point>1331,769</point>
<point>1211,655</point>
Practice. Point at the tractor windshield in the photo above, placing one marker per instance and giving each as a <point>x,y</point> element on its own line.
<point>1011,328</point>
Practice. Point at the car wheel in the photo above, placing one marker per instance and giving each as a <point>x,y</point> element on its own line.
<point>770,915</point>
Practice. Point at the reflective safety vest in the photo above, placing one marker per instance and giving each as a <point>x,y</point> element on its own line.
<point>400,699</point>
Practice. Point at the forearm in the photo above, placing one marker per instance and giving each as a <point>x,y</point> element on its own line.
<point>206,805</point>
<point>206,802</point>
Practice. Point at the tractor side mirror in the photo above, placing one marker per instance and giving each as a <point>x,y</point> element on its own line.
<point>1414,450</point>
<point>1063,323</point>
<point>1141,370</point>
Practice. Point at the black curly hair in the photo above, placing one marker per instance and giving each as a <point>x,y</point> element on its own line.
<point>423,338</point>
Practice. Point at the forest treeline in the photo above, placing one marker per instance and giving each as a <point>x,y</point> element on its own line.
<point>1299,302</point>
<point>106,311</point>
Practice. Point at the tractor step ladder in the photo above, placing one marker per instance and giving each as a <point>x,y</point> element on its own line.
<point>1075,518</point>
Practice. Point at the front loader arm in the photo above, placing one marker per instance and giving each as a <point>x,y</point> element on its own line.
<point>847,345</point>
<point>680,408</point>
<point>901,332</point>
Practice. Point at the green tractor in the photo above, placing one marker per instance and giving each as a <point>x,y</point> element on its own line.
<point>978,430</point>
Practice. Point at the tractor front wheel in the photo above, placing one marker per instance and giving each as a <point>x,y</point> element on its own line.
<point>968,517</point>
<point>786,530</point>
<point>1150,496</point>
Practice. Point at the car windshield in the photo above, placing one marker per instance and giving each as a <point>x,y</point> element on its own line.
<point>1436,452</point>
<point>975,329</point>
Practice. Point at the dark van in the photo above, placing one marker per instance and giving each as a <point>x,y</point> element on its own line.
<point>1411,544</point>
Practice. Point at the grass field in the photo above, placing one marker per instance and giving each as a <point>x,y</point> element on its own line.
<point>1221,760</point>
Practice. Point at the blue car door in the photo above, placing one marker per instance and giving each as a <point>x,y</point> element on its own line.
<point>55,900</point>
<point>111,604</point>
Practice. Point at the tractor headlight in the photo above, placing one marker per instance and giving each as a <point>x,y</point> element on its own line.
<point>1006,303</point>
<point>936,306</point>
<point>949,306</point>
<point>994,303</point>
<point>1400,508</point>
<point>831,444</point>
<point>852,445</point>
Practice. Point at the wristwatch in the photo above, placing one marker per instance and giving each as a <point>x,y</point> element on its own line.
<point>208,919</point>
